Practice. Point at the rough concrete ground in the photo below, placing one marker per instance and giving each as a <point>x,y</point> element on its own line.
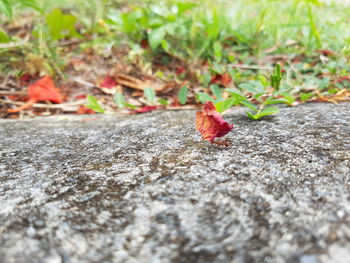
<point>147,189</point>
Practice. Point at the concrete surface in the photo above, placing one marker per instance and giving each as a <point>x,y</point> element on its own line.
<point>146,188</point>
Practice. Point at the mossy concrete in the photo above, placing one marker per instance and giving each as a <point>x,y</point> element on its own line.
<point>146,188</point>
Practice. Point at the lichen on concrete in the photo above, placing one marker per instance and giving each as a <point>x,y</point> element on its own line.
<point>146,188</point>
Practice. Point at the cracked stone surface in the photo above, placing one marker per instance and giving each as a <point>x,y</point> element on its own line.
<point>146,188</point>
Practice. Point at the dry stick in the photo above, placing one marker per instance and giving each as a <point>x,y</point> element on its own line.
<point>10,93</point>
<point>247,67</point>
<point>69,42</point>
<point>15,44</point>
<point>41,105</point>
<point>84,82</point>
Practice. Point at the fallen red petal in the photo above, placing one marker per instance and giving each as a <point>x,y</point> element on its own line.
<point>109,82</point>
<point>210,123</point>
<point>84,110</point>
<point>180,70</point>
<point>26,77</point>
<point>221,79</point>
<point>81,96</point>
<point>326,52</point>
<point>146,109</point>
<point>42,90</point>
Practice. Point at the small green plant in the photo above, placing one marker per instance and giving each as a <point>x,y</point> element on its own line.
<point>93,104</point>
<point>253,94</point>
<point>149,94</point>
<point>61,25</point>
<point>121,102</point>
<point>182,95</point>
<point>276,77</point>
<point>7,8</point>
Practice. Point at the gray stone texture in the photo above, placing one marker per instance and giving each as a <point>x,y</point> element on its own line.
<point>146,188</point>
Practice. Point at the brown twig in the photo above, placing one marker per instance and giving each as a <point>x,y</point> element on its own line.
<point>69,42</point>
<point>15,44</point>
<point>42,105</point>
<point>10,93</point>
<point>84,82</point>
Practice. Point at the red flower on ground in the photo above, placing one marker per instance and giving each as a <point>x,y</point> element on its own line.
<point>210,123</point>
<point>146,109</point>
<point>42,90</point>
<point>109,82</point>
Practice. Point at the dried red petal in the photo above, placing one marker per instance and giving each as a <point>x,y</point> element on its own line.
<point>109,82</point>
<point>179,70</point>
<point>84,110</point>
<point>146,109</point>
<point>210,123</point>
<point>81,96</point>
<point>326,52</point>
<point>144,43</point>
<point>26,77</point>
<point>221,79</point>
<point>42,90</point>
<point>226,79</point>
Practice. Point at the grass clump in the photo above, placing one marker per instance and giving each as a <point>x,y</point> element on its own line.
<point>244,52</point>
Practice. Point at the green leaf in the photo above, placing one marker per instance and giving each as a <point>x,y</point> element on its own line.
<point>5,7</point>
<point>258,86</point>
<point>314,33</point>
<point>249,105</point>
<point>130,106</point>
<point>199,51</point>
<point>217,68</point>
<point>250,115</point>
<point>119,100</point>
<point>247,87</point>
<point>276,77</point>
<point>61,25</point>
<point>163,102</point>
<point>165,45</point>
<point>254,87</point>
<point>333,91</point>
<point>262,113</point>
<point>32,4</point>
<point>182,95</point>
<point>216,91</point>
<point>266,111</point>
<point>315,2</point>
<point>4,38</point>
<point>93,104</point>
<point>235,93</point>
<point>150,94</point>
<point>289,99</point>
<point>224,105</point>
<point>206,78</point>
<point>324,83</point>
<point>305,96</point>
<point>183,7</point>
<point>217,47</point>
<point>204,97</point>
<point>213,26</point>
<point>155,37</point>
